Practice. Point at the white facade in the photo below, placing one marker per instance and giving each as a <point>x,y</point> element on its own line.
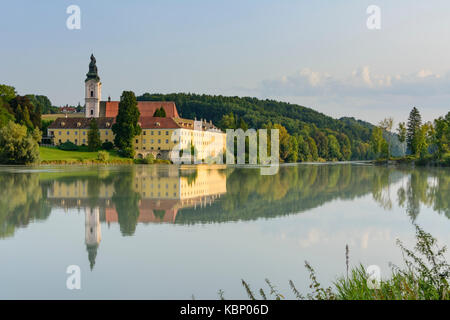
<point>93,96</point>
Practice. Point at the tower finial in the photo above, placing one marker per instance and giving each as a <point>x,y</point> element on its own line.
<point>93,72</point>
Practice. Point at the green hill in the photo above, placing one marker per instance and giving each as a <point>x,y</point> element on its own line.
<point>298,120</point>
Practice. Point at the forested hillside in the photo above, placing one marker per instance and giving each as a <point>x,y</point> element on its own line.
<point>318,135</point>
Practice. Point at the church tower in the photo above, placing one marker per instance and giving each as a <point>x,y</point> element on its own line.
<point>93,90</point>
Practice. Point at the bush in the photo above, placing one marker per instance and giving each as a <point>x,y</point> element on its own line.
<point>17,145</point>
<point>149,159</point>
<point>127,152</point>
<point>68,146</point>
<point>108,145</point>
<point>103,156</point>
<point>446,159</point>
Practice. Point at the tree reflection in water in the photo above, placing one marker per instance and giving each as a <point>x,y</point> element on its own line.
<point>129,195</point>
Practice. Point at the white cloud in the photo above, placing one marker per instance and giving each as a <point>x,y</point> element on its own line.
<point>361,82</point>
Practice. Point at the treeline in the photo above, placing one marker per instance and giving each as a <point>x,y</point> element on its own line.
<point>311,145</point>
<point>307,135</point>
<point>429,141</point>
<point>20,126</point>
<point>249,195</point>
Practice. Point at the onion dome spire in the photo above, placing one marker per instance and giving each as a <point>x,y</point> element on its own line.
<point>93,72</point>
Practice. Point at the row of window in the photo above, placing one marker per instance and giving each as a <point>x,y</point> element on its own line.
<point>76,133</point>
<point>159,185</point>
<point>151,148</point>
<point>183,133</point>
<point>159,194</point>
<point>76,141</point>
<point>144,141</point>
<point>144,132</point>
<point>151,141</point>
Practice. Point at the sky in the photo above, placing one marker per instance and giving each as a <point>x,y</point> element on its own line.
<point>319,54</point>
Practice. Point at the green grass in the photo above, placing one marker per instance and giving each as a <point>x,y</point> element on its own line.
<point>54,155</point>
<point>424,276</point>
<point>53,116</point>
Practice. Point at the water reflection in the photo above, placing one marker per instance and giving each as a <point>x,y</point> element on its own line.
<point>188,195</point>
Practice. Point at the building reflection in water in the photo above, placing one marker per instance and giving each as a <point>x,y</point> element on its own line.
<point>159,195</point>
<point>187,195</point>
<point>93,233</point>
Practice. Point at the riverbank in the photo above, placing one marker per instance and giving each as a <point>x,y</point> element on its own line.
<point>428,161</point>
<point>55,156</point>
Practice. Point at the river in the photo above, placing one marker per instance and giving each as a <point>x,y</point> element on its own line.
<point>171,232</point>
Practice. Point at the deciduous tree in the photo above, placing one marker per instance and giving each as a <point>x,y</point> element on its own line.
<point>387,125</point>
<point>19,145</point>
<point>401,131</point>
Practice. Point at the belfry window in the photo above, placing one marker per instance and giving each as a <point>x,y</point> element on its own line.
<point>92,93</point>
<point>92,112</point>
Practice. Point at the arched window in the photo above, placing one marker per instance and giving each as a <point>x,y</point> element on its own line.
<point>92,93</point>
<point>92,112</point>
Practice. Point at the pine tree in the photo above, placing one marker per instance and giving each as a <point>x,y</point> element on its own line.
<point>126,126</point>
<point>94,142</point>
<point>413,127</point>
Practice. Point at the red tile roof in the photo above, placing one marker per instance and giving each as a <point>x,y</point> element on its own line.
<point>147,209</point>
<point>157,123</point>
<point>146,108</point>
<point>144,122</point>
<point>106,123</point>
<point>81,123</point>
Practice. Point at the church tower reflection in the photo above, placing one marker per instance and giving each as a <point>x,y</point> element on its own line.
<point>93,233</point>
<point>147,194</point>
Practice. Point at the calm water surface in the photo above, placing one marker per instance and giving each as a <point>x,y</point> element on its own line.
<point>169,232</point>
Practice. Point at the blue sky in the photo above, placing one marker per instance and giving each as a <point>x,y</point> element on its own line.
<point>315,53</point>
